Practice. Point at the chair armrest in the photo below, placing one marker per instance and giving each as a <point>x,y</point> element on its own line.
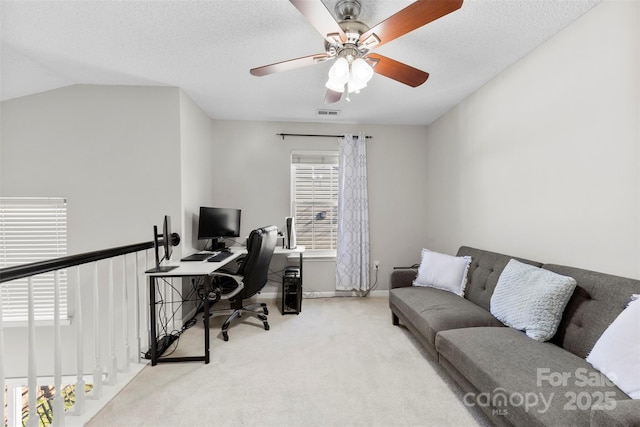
<point>402,278</point>
<point>625,413</point>
<point>236,278</point>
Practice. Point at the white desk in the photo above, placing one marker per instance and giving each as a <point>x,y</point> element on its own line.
<point>190,269</point>
<point>195,268</point>
<point>284,251</point>
<point>183,269</point>
<point>279,250</point>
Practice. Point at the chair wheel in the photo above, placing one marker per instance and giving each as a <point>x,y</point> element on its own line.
<point>225,336</point>
<point>266,326</point>
<point>266,311</point>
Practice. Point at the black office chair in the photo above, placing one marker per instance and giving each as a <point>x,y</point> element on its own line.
<point>248,280</point>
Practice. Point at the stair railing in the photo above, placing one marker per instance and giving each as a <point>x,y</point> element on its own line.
<point>127,262</point>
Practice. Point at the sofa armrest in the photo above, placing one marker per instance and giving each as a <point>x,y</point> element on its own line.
<point>625,413</point>
<point>402,278</point>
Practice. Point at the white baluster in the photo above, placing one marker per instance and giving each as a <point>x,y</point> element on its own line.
<point>79,392</point>
<point>11,404</point>
<point>125,315</point>
<point>58,402</point>
<point>97,370</point>
<point>136,307</point>
<point>2,377</point>
<point>113,363</point>
<point>32,374</point>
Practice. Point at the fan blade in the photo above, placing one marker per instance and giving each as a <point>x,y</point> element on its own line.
<point>320,17</point>
<point>408,19</point>
<point>332,96</point>
<point>290,64</point>
<point>397,70</point>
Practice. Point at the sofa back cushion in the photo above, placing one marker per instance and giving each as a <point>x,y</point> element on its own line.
<point>596,302</point>
<point>484,272</point>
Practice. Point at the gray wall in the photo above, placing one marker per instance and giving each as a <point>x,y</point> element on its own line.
<point>544,160</point>
<point>111,151</point>
<point>125,156</point>
<point>114,153</point>
<point>196,166</point>
<point>252,172</point>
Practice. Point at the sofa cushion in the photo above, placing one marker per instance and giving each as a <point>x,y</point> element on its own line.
<point>625,414</point>
<point>531,299</point>
<point>433,310</point>
<point>484,272</point>
<point>442,271</point>
<point>617,352</point>
<point>597,300</point>
<point>529,382</point>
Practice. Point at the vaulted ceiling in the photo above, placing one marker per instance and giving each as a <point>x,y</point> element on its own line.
<point>208,47</point>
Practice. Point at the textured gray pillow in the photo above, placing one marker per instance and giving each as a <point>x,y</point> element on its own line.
<point>531,299</point>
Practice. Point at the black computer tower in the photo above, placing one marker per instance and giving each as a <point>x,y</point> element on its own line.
<point>291,291</point>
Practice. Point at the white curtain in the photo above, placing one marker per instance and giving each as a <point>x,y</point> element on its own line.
<point>352,263</point>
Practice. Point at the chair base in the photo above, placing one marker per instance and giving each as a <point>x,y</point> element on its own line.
<point>258,310</point>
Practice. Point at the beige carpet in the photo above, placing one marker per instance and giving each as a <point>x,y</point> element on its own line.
<point>339,363</point>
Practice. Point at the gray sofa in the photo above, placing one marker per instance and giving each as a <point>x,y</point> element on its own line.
<point>512,378</point>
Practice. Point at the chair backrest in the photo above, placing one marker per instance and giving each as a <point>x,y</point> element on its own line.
<point>255,267</point>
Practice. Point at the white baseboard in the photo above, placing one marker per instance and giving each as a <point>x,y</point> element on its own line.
<point>324,294</point>
<point>274,296</point>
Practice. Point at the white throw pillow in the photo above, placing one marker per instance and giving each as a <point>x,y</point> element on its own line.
<point>531,299</point>
<point>443,271</point>
<point>617,352</point>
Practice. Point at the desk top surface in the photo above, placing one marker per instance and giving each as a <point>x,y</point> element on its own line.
<point>279,250</point>
<point>195,268</point>
<point>203,268</point>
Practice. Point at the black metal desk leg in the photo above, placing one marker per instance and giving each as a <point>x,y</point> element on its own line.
<point>152,320</point>
<point>301,283</point>
<point>206,329</point>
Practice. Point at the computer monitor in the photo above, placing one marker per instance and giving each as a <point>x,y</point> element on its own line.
<point>166,237</point>
<point>166,245</point>
<point>218,223</point>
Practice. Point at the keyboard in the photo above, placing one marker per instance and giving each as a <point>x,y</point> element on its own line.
<point>220,257</point>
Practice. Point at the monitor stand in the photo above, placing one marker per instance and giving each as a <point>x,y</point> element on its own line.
<point>217,245</point>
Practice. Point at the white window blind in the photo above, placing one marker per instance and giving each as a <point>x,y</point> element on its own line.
<point>315,198</point>
<point>31,230</point>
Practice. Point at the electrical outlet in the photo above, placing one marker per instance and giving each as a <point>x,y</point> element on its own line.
<point>376,264</point>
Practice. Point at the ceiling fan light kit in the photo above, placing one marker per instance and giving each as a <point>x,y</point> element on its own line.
<point>350,76</point>
<point>349,41</point>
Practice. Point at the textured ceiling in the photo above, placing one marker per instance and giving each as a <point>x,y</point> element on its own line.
<point>207,48</point>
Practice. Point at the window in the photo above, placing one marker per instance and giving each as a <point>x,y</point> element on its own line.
<point>31,230</point>
<point>314,181</point>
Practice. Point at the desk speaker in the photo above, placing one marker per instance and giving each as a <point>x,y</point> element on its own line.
<point>291,233</point>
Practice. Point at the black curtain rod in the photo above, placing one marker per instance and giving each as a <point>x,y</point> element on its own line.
<point>315,136</point>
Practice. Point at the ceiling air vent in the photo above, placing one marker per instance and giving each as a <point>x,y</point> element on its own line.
<point>328,113</point>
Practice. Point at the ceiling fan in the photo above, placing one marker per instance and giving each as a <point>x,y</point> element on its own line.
<point>349,41</point>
